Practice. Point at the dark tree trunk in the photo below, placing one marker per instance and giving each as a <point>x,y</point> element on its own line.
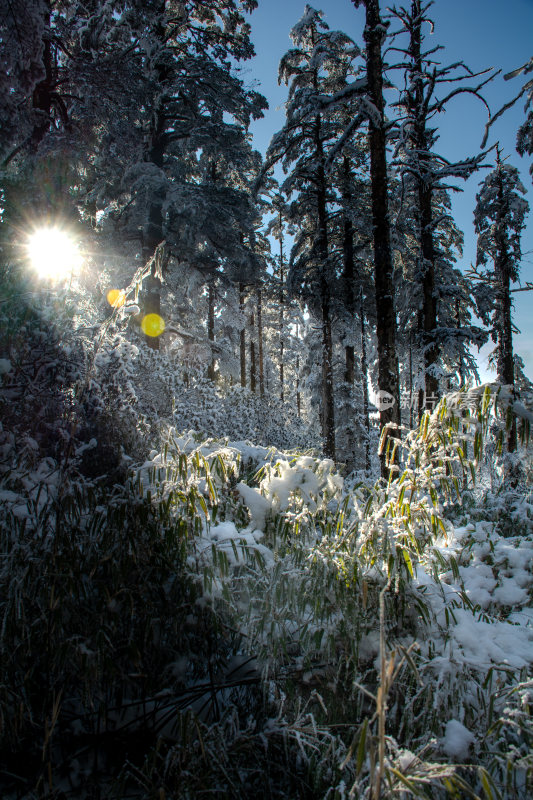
<point>421,391</point>
<point>253,369</point>
<point>364,381</point>
<point>505,349</point>
<point>417,111</point>
<point>152,237</point>
<point>281,311</point>
<point>464,442</point>
<point>242,336</point>
<point>298,395</point>
<point>386,318</point>
<point>431,349</point>
<point>411,380</point>
<point>458,326</point>
<point>328,401</point>
<point>260,342</point>
<point>211,327</point>
<point>505,363</point>
<point>349,299</point>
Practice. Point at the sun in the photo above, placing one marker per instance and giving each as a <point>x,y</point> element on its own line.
<point>53,253</point>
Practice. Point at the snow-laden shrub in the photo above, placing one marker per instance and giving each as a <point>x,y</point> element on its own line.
<point>342,590</point>
<point>118,674</point>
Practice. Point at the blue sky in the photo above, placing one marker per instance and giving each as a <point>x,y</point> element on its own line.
<point>482,33</point>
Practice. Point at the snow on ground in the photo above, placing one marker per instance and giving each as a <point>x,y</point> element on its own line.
<point>482,611</point>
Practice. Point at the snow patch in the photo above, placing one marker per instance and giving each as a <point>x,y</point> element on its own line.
<point>457,740</point>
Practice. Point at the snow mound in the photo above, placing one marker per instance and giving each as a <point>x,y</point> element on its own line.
<point>457,740</point>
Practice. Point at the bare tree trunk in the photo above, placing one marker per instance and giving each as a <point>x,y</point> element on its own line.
<point>298,395</point>
<point>411,380</point>
<point>431,349</point>
<point>364,381</point>
<point>243,336</point>
<point>152,237</point>
<point>505,363</point>
<point>464,442</point>
<point>281,311</point>
<point>349,300</point>
<point>253,369</point>
<point>328,400</point>
<point>418,112</point>
<point>386,318</point>
<point>211,327</point>
<point>458,325</point>
<point>260,342</point>
<point>422,390</point>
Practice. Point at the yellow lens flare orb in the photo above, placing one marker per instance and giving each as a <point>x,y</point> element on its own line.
<point>153,325</point>
<point>116,298</point>
<point>53,253</point>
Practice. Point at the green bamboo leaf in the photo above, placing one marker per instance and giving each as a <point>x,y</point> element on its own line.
<point>417,791</point>
<point>454,568</point>
<point>486,400</point>
<point>222,466</point>
<point>409,563</point>
<point>361,748</point>
<point>212,490</point>
<point>203,505</point>
<point>401,496</point>
<point>477,445</point>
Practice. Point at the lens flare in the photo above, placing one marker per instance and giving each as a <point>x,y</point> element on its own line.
<point>153,325</point>
<point>116,298</point>
<point>53,253</point>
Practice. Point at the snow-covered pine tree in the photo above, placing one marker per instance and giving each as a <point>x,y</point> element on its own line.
<point>351,240</point>
<point>152,170</point>
<point>455,331</point>
<point>311,69</point>
<point>227,178</point>
<point>284,312</point>
<point>499,220</point>
<point>276,229</point>
<point>425,173</point>
<point>55,59</point>
<point>64,67</point>
<point>22,68</point>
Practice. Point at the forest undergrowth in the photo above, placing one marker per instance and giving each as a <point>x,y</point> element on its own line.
<point>189,611</point>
